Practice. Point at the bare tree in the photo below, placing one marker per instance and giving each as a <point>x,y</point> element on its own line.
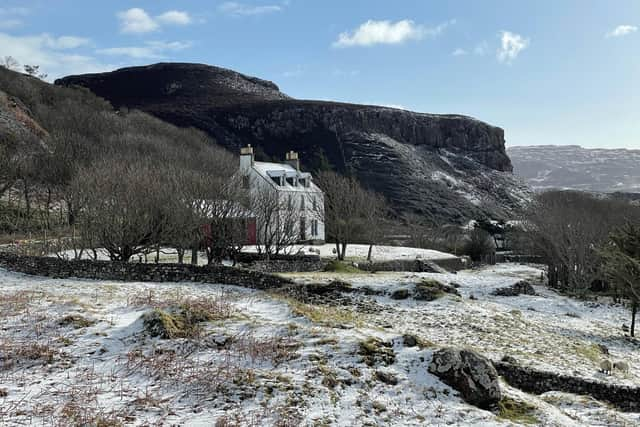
<point>122,206</point>
<point>278,216</point>
<point>565,228</point>
<point>34,71</point>
<point>621,256</point>
<point>352,214</point>
<point>10,63</point>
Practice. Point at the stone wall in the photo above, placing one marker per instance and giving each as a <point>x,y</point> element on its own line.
<point>538,382</point>
<point>281,263</point>
<point>134,272</point>
<point>415,265</point>
<point>287,266</point>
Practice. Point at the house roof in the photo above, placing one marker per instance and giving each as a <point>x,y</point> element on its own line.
<point>269,169</point>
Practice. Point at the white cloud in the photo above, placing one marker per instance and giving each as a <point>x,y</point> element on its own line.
<point>8,24</point>
<point>459,52</point>
<point>622,30</point>
<point>150,50</point>
<point>136,20</point>
<point>51,54</point>
<point>66,42</point>
<point>175,17</point>
<point>511,45</point>
<point>241,9</point>
<point>386,32</point>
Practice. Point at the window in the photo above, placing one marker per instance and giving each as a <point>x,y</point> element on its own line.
<point>314,227</point>
<point>303,228</point>
<point>315,204</point>
<point>302,202</point>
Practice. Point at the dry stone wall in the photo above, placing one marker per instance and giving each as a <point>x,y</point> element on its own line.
<point>134,272</point>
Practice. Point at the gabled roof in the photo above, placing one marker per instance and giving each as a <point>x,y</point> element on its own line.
<point>269,169</point>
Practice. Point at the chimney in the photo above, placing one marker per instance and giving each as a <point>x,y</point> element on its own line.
<point>246,158</point>
<point>292,159</point>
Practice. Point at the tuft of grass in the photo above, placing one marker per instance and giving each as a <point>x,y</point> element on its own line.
<point>592,352</point>
<point>517,411</point>
<point>375,351</point>
<point>324,315</point>
<point>184,322</point>
<point>76,321</point>
<point>336,266</point>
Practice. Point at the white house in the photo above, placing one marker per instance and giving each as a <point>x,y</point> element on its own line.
<point>296,204</point>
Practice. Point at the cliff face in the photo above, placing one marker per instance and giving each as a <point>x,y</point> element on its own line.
<point>444,167</point>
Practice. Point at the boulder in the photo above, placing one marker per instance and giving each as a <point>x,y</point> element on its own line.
<point>400,294</point>
<point>431,289</point>
<point>520,288</point>
<point>470,373</point>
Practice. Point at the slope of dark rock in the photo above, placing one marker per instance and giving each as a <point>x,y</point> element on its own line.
<point>442,167</point>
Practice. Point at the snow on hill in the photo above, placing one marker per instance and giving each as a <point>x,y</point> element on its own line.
<point>77,350</point>
<point>578,168</point>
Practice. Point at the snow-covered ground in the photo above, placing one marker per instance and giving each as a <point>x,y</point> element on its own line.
<point>359,252</point>
<point>354,252</point>
<point>271,360</point>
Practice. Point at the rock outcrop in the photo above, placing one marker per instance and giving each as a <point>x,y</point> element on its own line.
<point>520,288</point>
<point>470,373</point>
<point>446,168</point>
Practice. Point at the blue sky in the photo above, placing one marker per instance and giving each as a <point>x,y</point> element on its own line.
<point>548,72</point>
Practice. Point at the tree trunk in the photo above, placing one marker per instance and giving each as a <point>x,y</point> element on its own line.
<point>194,256</point>
<point>370,251</point>
<point>344,251</point>
<point>180,255</point>
<point>157,260</point>
<point>48,209</point>
<point>337,251</point>
<point>71,216</point>
<point>634,310</point>
<point>27,199</point>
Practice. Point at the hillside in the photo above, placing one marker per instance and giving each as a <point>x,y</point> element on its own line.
<point>578,168</point>
<point>50,135</point>
<point>341,358</point>
<point>446,168</point>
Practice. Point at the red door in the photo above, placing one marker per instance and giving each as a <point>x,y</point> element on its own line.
<point>251,231</point>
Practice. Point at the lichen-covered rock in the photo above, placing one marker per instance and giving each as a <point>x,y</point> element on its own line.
<point>431,289</point>
<point>520,288</point>
<point>468,372</point>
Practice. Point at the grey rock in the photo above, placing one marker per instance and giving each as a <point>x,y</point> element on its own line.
<point>400,294</point>
<point>520,288</point>
<point>470,373</point>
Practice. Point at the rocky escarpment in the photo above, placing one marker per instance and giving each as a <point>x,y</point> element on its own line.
<point>446,168</point>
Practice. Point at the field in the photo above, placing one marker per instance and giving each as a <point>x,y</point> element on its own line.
<point>83,352</point>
